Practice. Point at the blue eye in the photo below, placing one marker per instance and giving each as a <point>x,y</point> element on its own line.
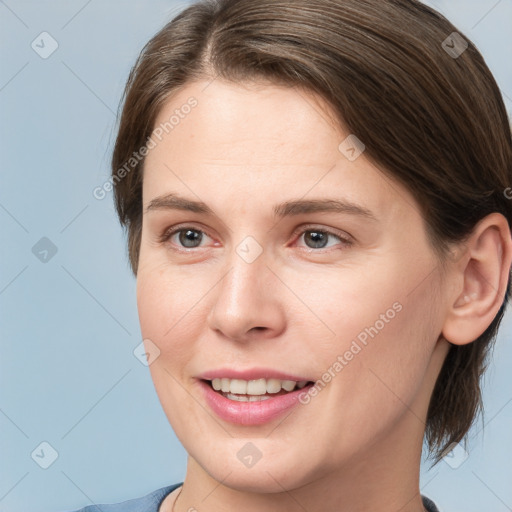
<point>188,238</point>
<point>191,238</point>
<point>318,238</point>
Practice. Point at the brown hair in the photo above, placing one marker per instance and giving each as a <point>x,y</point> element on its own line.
<point>430,118</point>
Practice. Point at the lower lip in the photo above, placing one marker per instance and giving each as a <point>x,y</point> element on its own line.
<point>250,413</point>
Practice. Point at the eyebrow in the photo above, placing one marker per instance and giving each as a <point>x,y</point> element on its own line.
<point>285,209</point>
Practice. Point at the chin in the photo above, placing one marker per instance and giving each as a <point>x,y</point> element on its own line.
<point>270,474</point>
<point>261,481</point>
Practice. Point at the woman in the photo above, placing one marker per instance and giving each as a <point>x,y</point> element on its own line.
<point>314,197</point>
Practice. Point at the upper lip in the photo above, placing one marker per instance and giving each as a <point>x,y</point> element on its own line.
<point>250,374</point>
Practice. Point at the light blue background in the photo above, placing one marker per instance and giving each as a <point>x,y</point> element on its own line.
<point>69,326</point>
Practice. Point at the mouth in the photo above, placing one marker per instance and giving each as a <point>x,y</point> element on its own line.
<point>253,402</point>
<point>257,390</point>
<point>253,396</point>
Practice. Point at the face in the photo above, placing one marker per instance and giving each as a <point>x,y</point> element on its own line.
<point>270,252</point>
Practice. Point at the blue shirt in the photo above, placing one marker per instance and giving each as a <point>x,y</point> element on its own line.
<point>151,503</point>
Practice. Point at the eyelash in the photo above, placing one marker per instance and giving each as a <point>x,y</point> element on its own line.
<point>169,233</point>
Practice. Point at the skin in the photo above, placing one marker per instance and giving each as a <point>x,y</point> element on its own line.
<point>357,445</point>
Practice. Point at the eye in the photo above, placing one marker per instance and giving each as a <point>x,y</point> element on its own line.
<point>319,238</point>
<point>187,237</point>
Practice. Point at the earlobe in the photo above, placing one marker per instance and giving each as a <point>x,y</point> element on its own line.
<point>483,274</point>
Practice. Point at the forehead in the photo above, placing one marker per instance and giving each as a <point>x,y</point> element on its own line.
<point>269,121</point>
<point>267,140</point>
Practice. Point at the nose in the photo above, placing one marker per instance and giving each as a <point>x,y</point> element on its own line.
<point>246,305</point>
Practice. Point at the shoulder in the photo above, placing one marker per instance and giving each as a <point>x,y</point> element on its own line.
<point>149,503</point>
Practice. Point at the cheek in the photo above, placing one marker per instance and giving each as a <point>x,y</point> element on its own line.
<point>383,329</point>
<point>172,305</point>
<point>383,364</point>
<point>167,299</point>
<point>347,304</point>
<point>169,306</point>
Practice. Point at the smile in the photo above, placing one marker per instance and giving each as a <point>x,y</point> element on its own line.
<point>252,402</point>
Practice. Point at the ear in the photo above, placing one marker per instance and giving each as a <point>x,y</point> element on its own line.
<point>481,277</point>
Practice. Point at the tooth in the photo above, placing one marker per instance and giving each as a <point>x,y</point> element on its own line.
<point>238,386</point>
<point>256,387</point>
<point>256,398</point>
<point>225,385</point>
<point>241,398</point>
<point>237,398</point>
<point>273,386</point>
<point>288,385</point>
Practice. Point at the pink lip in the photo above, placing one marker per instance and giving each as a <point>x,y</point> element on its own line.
<point>250,413</point>
<point>252,374</point>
